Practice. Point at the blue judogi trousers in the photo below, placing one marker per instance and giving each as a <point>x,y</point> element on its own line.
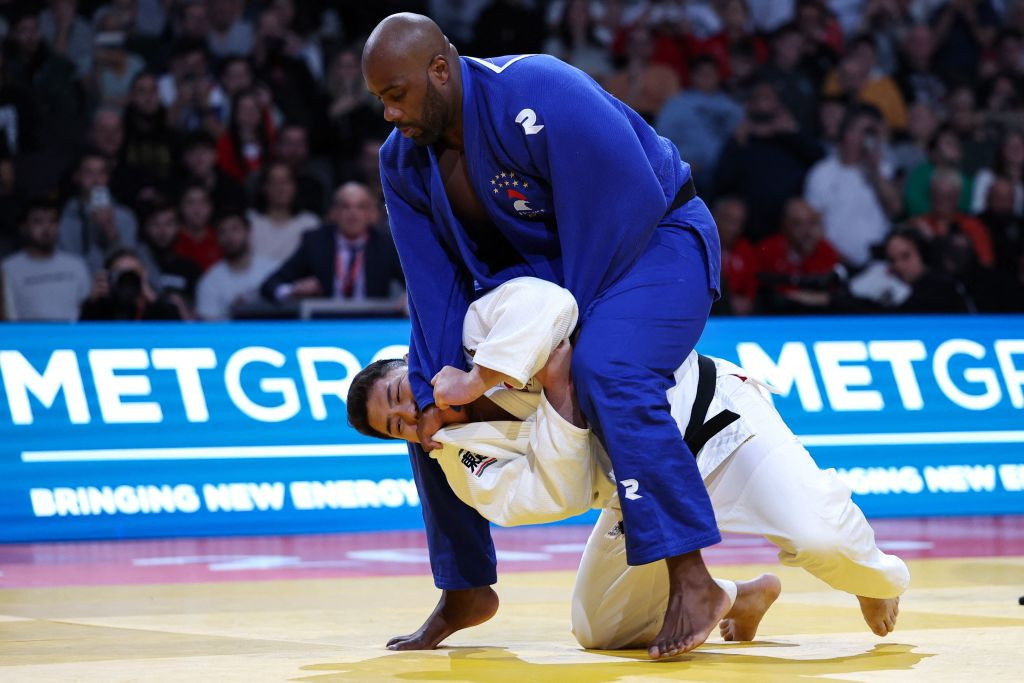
<point>632,339</point>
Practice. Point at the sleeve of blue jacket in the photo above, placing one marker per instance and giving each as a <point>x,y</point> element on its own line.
<point>458,538</point>
<point>612,179</point>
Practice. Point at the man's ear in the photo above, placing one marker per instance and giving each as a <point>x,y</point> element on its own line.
<point>440,69</point>
<point>405,359</point>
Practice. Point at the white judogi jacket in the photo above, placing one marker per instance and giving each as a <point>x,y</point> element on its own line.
<point>542,468</point>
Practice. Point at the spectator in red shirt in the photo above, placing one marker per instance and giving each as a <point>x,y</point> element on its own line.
<point>736,30</point>
<point>197,240</point>
<point>794,266</point>
<point>246,145</point>
<point>945,219</point>
<point>739,259</point>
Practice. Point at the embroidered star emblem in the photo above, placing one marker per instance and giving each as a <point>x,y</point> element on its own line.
<point>526,184</point>
<point>492,181</point>
<point>495,190</point>
<point>502,174</point>
<point>515,183</point>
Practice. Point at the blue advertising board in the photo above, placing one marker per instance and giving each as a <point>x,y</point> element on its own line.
<point>142,430</point>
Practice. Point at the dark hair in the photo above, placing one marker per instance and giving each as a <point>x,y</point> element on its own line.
<point>359,395</point>
<point>119,253</point>
<point>913,236</point>
<point>230,212</point>
<point>36,204</point>
<point>857,111</point>
<point>199,138</point>
<point>262,128</point>
<point>150,210</point>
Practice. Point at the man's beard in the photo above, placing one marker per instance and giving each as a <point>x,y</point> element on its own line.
<point>435,118</point>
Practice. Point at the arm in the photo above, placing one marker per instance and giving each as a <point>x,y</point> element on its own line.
<point>297,266</point>
<point>544,471</point>
<point>510,332</point>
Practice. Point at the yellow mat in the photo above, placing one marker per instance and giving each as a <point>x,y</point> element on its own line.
<point>959,622</point>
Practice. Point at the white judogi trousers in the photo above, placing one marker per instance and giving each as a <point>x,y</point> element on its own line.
<point>768,487</point>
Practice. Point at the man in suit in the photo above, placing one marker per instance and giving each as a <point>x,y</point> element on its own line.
<point>346,258</point>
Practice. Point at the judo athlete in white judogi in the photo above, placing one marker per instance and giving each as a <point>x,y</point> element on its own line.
<point>520,461</point>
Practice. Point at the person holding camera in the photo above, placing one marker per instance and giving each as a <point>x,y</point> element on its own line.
<point>852,188</point>
<point>121,291</point>
<point>92,223</point>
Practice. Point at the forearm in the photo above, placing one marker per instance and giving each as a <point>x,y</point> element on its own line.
<point>562,397</point>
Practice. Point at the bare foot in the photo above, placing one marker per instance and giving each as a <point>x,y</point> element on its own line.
<point>753,598</point>
<point>880,614</point>
<point>695,605</point>
<point>456,610</point>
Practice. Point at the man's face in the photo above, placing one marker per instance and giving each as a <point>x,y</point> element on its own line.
<point>354,211</point>
<point>92,173</point>
<point>730,217</point>
<point>26,34</point>
<point>196,207</point>
<point>144,95</point>
<point>107,132</point>
<point>391,409</point>
<point>411,99</point>
<point>292,147</point>
<point>162,228</point>
<point>233,237</point>
<point>802,227</point>
<point>200,160</point>
<point>40,229</point>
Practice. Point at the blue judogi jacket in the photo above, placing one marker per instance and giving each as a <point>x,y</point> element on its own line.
<point>575,183</point>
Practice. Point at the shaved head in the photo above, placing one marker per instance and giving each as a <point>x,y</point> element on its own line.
<point>411,67</point>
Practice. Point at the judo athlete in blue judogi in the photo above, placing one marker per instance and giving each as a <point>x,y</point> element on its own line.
<point>523,165</point>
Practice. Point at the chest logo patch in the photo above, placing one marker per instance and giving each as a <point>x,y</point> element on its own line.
<point>508,185</point>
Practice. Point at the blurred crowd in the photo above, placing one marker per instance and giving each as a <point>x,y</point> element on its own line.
<point>214,159</point>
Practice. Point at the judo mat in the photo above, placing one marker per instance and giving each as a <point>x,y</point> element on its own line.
<point>320,608</point>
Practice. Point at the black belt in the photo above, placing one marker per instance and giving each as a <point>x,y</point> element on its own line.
<point>698,432</point>
<point>687,192</point>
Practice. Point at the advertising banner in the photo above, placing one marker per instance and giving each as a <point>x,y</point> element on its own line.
<point>149,429</point>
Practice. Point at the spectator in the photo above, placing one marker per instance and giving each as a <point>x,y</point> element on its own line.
<point>945,219</point>
<point>199,158</point>
<point>353,114</point>
<point>170,272</point>
<point>739,258</point>
<point>192,21</point>
<point>736,31</point>
<point>822,37</point>
<point>245,146</point>
<point>278,60</point>
<point>92,222</point>
<point>115,68</point>
<point>197,240</point>
<point>767,138</point>
<point>277,222</point>
<point>944,151</point>
<point>193,100</point>
<point>930,291</point>
<point>858,79</point>
<point>68,34</point>
<point>642,84</point>
<point>293,149</point>
<point>39,282</point>
<point>346,258</point>
<point>963,116</point>
<point>700,120</point>
<point>1005,225</point>
<point>1009,164</point>
<point>916,78</point>
<point>235,76</point>
<point>149,142</point>
<point>963,29</point>
<point>850,188</point>
<point>795,265</point>
<point>236,278</point>
<point>121,291</point>
<point>574,39</point>
<point>51,79</point>
<point>792,82</point>
<point>831,112</point>
<point>230,34</point>
<point>911,149</point>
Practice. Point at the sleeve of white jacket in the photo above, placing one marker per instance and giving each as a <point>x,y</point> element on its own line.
<point>514,328</point>
<point>551,480</point>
